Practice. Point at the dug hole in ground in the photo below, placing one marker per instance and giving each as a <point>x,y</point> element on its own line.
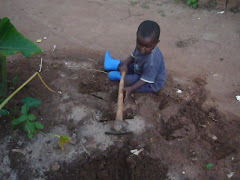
<point>177,132</point>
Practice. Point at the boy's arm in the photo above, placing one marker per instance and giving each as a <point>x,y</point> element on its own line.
<point>124,65</point>
<point>130,89</point>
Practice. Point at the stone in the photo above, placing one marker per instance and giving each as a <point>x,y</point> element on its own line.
<point>73,141</point>
<point>169,112</point>
<point>55,166</point>
<point>179,133</point>
<point>194,159</point>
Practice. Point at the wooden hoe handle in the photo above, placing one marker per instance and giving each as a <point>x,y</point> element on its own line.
<point>119,115</point>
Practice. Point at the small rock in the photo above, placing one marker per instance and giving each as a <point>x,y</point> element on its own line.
<point>194,158</point>
<point>73,141</point>
<point>213,137</point>
<point>229,175</point>
<point>83,140</point>
<point>19,151</point>
<point>84,82</point>
<point>74,135</point>
<point>55,166</point>
<point>211,115</point>
<point>55,66</point>
<point>179,133</point>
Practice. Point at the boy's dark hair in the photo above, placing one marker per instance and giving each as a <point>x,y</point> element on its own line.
<point>149,29</point>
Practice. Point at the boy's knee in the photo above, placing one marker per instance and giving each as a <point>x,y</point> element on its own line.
<point>127,82</point>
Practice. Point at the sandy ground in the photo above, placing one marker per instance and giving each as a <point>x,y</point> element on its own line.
<point>100,25</point>
<point>195,44</point>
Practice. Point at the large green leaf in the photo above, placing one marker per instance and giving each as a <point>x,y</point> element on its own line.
<point>12,42</point>
<point>33,103</point>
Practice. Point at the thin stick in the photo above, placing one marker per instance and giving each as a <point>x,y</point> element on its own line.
<point>15,92</point>
<point>45,83</point>
<point>95,70</point>
<point>24,84</point>
<point>40,69</point>
<point>85,149</point>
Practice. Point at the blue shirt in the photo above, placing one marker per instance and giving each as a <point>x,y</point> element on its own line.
<point>151,68</point>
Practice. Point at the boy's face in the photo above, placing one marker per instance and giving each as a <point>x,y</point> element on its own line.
<point>146,45</point>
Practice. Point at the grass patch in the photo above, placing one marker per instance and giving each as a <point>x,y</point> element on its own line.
<point>145,6</point>
<point>161,12</point>
<point>133,3</point>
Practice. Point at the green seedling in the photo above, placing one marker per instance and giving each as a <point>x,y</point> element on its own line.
<point>193,3</point>
<point>15,80</point>
<point>63,140</point>
<point>160,11</point>
<point>27,120</point>
<point>209,166</point>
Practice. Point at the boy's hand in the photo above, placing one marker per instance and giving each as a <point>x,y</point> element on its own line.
<point>128,91</point>
<point>123,67</point>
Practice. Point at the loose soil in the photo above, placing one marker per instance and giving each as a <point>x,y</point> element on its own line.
<point>175,130</point>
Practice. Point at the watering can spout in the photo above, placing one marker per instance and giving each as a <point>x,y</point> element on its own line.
<point>110,64</point>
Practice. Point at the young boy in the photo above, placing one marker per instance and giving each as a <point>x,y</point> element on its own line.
<point>145,67</point>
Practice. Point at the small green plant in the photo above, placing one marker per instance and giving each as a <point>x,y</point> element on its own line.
<point>133,2</point>
<point>193,3</point>
<point>208,166</point>
<point>15,80</point>
<point>160,11</point>
<point>63,140</point>
<point>163,14</point>
<point>145,6</point>
<point>27,120</point>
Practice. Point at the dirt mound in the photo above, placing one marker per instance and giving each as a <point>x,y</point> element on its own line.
<point>115,163</point>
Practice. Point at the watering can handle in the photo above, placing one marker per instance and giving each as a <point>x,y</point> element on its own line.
<point>119,115</point>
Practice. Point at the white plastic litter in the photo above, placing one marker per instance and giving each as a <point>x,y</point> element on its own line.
<point>213,137</point>
<point>179,91</point>
<point>221,12</point>
<point>19,151</point>
<point>40,66</point>
<point>183,172</point>
<point>136,152</point>
<point>238,98</point>
<point>54,47</point>
<point>45,38</point>
<point>229,175</point>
